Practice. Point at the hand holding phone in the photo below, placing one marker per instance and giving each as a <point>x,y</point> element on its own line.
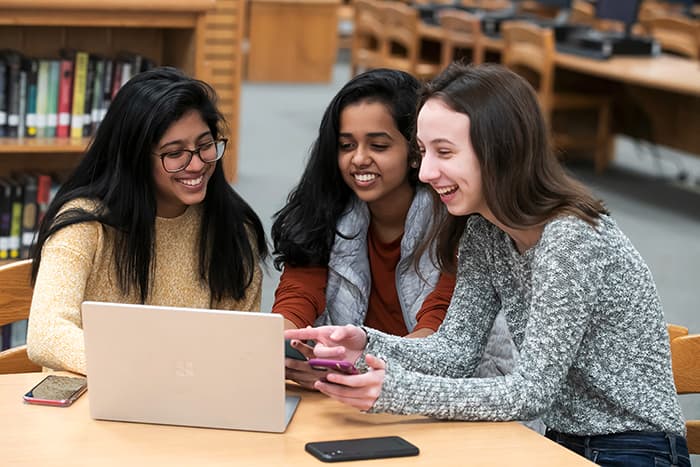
<point>291,352</point>
<point>363,448</point>
<point>340,366</point>
<point>59,391</point>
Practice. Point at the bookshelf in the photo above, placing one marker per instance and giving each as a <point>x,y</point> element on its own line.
<point>202,37</point>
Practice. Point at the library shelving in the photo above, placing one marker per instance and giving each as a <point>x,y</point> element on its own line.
<point>202,37</point>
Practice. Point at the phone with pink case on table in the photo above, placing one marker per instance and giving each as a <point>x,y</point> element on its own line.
<point>340,366</point>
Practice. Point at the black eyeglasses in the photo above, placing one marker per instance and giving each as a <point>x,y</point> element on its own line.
<point>176,161</point>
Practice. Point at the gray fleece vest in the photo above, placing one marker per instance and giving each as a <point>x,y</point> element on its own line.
<point>349,278</point>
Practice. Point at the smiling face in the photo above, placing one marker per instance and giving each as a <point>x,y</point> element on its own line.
<point>176,191</point>
<point>449,162</point>
<point>372,153</point>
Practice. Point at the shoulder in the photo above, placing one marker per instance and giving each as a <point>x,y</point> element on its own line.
<point>83,204</point>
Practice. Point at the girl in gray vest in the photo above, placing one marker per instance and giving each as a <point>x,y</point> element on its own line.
<point>347,238</point>
<point>537,247</point>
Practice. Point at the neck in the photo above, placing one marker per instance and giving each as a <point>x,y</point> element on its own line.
<point>388,216</point>
<point>523,238</point>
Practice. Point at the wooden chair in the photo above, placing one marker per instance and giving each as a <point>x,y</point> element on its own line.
<point>367,45</point>
<point>404,41</point>
<point>685,359</point>
<point>676,34</point>
<point>487,5</point>
<point>529,51</point>
<point>675,330</point>
<point>462,37</point>
<point>15,301</point>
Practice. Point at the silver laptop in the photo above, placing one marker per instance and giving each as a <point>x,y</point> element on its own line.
<point>185,366</point>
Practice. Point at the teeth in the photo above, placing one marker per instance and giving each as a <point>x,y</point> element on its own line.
<point>365,177</point>
<point>446,190</point>
<point>192,181</point>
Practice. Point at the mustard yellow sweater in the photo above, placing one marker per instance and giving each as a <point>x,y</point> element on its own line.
<point>77,265</point>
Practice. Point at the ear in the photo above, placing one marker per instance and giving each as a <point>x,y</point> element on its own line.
<point>414,164</point>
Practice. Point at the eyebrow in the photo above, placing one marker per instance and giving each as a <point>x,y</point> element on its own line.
<point>441,140</point>
<point>371,135</point>
<point>179,141</point>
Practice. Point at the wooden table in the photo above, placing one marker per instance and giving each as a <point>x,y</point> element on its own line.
<point>47,436</point>
<point>292,40</point>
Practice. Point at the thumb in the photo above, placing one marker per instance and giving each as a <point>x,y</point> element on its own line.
<point>374,363</point>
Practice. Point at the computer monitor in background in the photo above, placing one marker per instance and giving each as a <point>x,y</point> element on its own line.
<point>625,11</point>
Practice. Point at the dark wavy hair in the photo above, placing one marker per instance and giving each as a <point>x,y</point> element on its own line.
<point>116,172</point>
<point>524,184</point>
<point>304,229</point>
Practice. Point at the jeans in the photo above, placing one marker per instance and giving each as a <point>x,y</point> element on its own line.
<point>629,449</point>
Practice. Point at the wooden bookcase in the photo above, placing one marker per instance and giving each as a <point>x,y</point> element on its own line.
<point>202,37</point>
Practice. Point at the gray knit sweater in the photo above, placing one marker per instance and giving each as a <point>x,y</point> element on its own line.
<point>585,315</point>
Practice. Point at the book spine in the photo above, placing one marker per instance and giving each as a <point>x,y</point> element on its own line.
<point>65,93</point>
<point>97,95</point>
<point>52,104</point>
<point>42,97</point>
<point>43,196</point>
<point>32,77</point>
<point>16,220</point>
<point>5,218</point>
<point>29,215</point>
<point>89,87</point>
<point>22,124</point>
<point>107,88</point>
<point>3,96</point>
<point>14,60</point>
<point>79,79</point>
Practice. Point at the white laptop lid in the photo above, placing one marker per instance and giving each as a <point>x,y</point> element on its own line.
<point>185,366</point>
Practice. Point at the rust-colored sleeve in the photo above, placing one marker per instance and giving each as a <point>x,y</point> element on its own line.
<point>435,305</point>
<point>301,294</point>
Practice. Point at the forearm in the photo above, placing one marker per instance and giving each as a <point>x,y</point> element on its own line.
<point>498,399</point>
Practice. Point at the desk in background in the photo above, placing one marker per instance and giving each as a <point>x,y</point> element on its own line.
<point>657,98</point>
<point>292,40</point>
<point>38,435</point>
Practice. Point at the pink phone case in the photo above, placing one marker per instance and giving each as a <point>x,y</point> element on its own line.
<point>340,366</point>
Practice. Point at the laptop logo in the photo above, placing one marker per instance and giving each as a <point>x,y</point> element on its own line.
<point>184,368</point>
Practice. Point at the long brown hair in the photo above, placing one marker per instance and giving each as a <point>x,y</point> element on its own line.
<point>524,184</point>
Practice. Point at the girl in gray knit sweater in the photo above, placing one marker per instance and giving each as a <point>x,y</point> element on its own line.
<point>535,245</point>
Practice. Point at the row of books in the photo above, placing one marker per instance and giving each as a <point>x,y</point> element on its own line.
<point>64,97</point>
<point>24,198</point>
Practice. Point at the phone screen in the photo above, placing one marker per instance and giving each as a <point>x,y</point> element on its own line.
<point>57,390</point>
<point>362,448</point>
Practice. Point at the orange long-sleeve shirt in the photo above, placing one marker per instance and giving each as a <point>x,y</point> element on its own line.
<point>301,294</point>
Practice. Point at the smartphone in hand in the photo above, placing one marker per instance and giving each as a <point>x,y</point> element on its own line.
<point>59,391</point>
<point>340,366</point>
<point>291,352</point>
<point>362,448</point>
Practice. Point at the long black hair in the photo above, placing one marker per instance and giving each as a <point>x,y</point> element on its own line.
<point>304,229</point>
<point>116,173</point>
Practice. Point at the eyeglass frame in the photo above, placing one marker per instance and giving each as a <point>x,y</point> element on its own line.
<point>192,153</point>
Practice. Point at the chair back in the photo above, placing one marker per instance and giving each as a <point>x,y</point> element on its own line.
<point>462,37</point>
<point>675,34</point>
<point>367,37</point>
<point>529,51</point>
<point>487,5</point>
<point>15,301</point>
<point>685,360</point>
<point>401,48</point>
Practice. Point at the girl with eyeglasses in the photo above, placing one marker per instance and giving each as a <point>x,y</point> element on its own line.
<point>348,238</point>
<point>146,217</point>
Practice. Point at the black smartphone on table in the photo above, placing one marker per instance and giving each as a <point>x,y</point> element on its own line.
<point>361,448</point>
<point>59,391</point>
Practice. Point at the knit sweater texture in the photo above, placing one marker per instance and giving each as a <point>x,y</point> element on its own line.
<point>78,264</point>
<point>585,315</point>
